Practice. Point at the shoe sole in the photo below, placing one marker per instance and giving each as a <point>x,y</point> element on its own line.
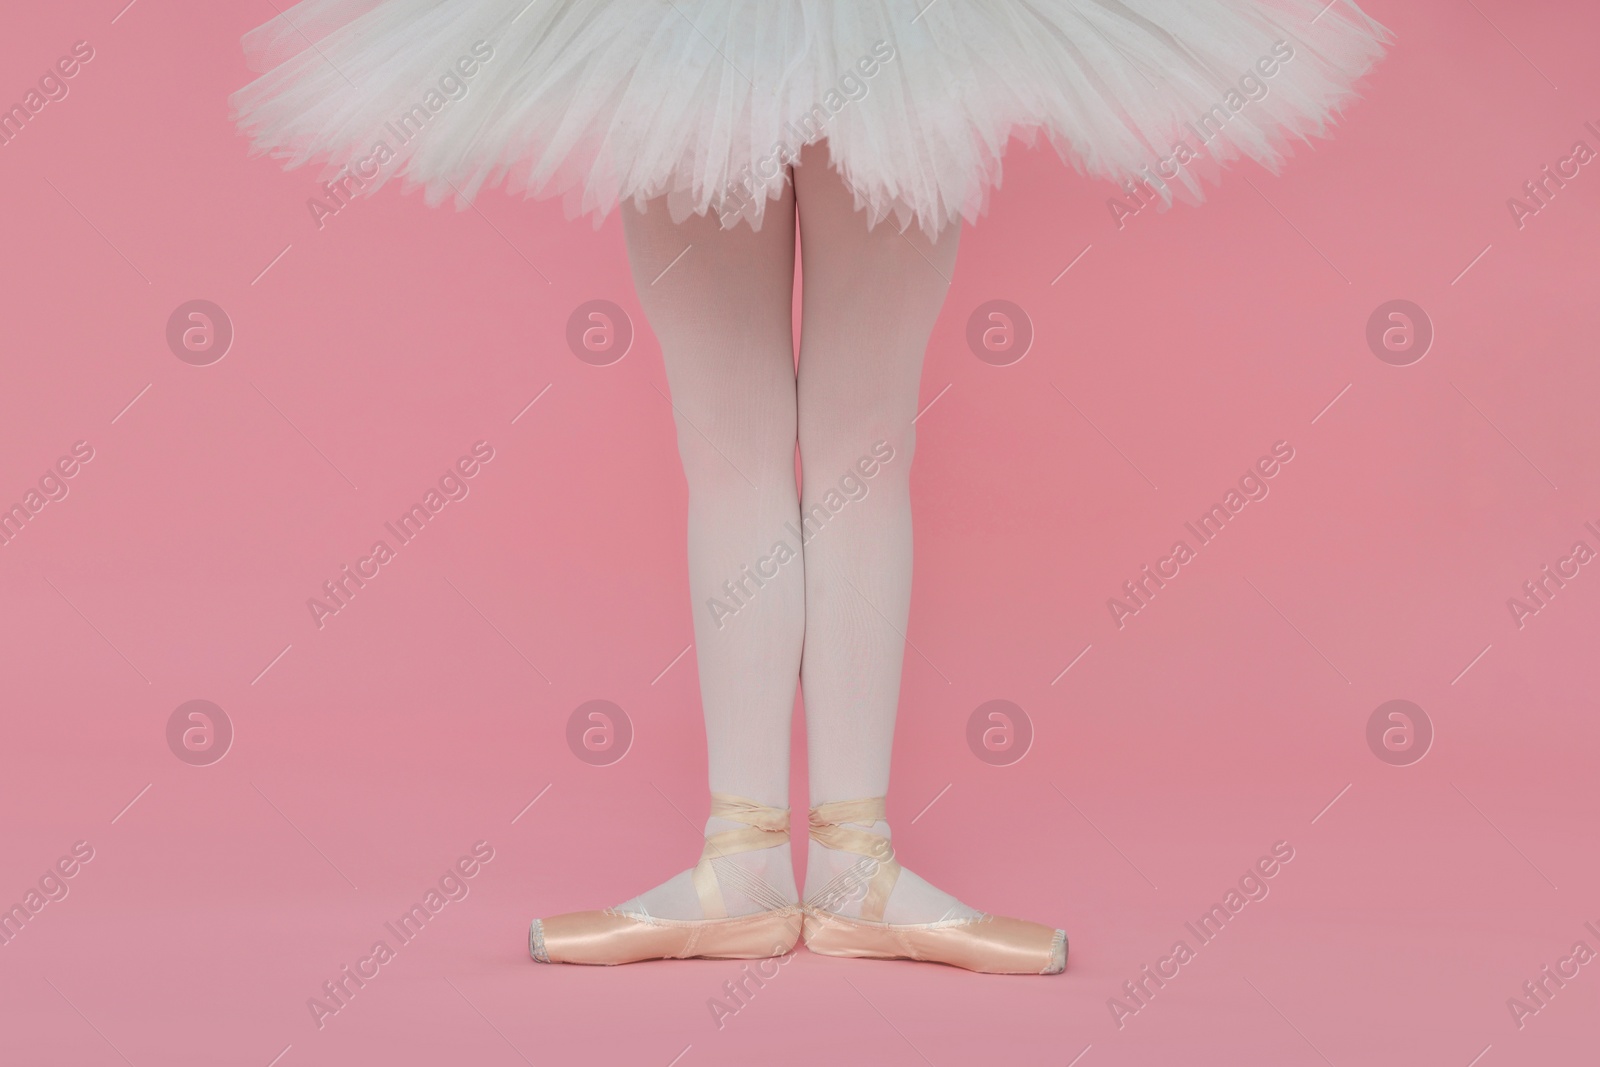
<point>566,939</point>
<point>988,946</point>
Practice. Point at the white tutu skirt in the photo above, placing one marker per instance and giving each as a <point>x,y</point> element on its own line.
<point>707,102</point>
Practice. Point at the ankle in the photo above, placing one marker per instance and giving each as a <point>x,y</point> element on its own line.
<point>839,881</point>
<point>882,848</point>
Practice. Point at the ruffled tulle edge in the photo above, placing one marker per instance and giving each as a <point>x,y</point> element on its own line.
<point>583,194</point>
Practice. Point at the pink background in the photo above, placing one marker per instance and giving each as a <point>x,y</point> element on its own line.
<point>423,718</point>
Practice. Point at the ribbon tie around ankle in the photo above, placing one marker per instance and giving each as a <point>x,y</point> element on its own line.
<point>828,829</point>
<point>764,828</point>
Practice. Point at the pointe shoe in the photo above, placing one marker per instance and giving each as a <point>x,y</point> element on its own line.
<point>612,937</point>
<point>988,943</point>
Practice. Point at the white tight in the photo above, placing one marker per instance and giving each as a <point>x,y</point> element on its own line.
<point>720,303</point>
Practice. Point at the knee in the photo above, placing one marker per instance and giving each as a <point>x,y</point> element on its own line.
<point>832,481</point>
<point>862,442</point>
<point>737,446</point>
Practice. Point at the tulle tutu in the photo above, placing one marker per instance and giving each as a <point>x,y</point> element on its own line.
<point>707,101</point>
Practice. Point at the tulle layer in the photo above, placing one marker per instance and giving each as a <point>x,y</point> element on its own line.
<point>707,101</point>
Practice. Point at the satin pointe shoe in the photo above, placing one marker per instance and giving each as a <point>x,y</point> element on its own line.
<point>988,943</point>
<point>612,936</point>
